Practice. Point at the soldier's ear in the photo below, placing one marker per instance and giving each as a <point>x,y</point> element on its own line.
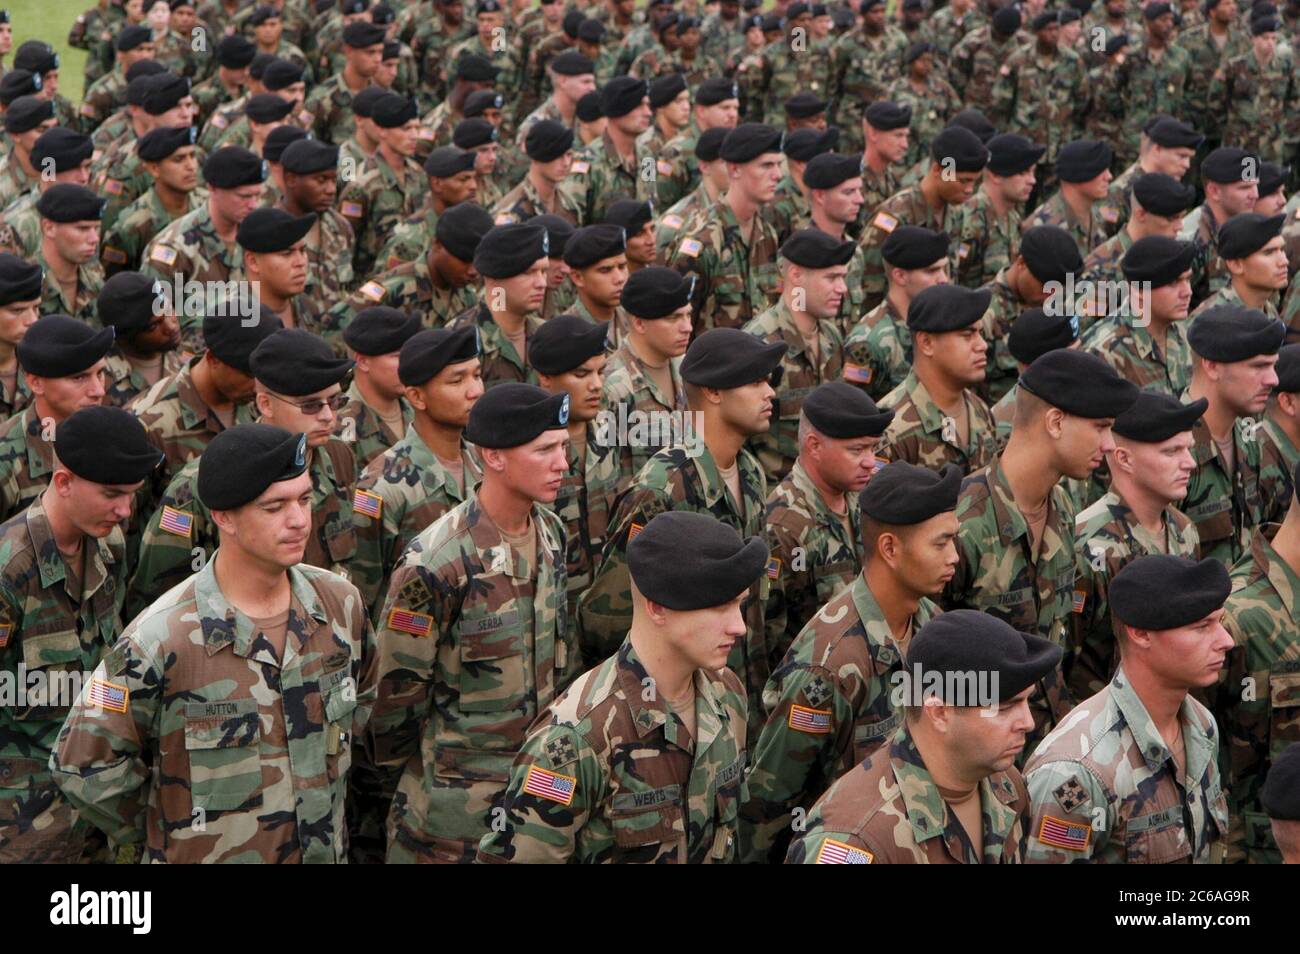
<point>1054,422</point>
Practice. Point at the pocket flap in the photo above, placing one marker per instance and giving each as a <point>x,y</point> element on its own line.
<point>493,636</point>
<point>650,827</point>
<point>51,649</point>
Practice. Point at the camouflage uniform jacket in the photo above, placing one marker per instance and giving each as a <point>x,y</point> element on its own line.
<point>101,98</point>
<point>1004,308</point>
<point>500,361</point>
<point>630,390</point>
<point>1209,273</point>
<point>986,244</point>
<point>12,403</point>
<point>123,380</point>
<point>1255,107</point>
<point>473,647</point>
<point>878,351</point>
<point>90,279</point>
<point>921,433</point>
<point>124,243</point>
<point>376,200</point>
<point>599,176</point>
<point>888,810</point>
<point>1102,264</point>
<point>222,118</point>
<point>26,460</point>
<point>1056,212</point>
<point>1120,197</point>
<point>1104,786</point>
<point>683,178</point>
<point>789,209</point>
<point>1206,56</point>
<point>1278,446</point>
<point>973,67</point>
<point>1129,348</point>
<point>907,207</point>
<point>1106,538</point>
<point>15,181</point>
<point>778,447</point>
<point>875,190</point>
<point>676,801</point>
<point>408,287</point>
<point>365,430</point>
<point>329,261</point>
<point>683,212</point>
<point>779,73</point>
<point>1147,86</point>
<point>523,202</point>
<point>932,107</point>
<point>199,709</point>
<point>584,503</point>
<point>864,66</point>
<point>53,633</point>
<point>1042,98</point>
<point>330,104</point>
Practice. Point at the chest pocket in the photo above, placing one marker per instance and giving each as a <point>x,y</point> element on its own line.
<point>1284,711</point>
<point>340,697</point>
<point>768,279</point>
<point>832,578</point>
<point>493,671</point>
<point>341,543</point>
<point>647,829</point>
<point>54,653</point>
<point>225,759</point>
<point>1157,838</point>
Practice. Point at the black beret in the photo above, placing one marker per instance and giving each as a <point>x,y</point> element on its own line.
<point>690,561</point>
<point>976,122</point>
<point>471,133</point>
<point>1272,177</point>
<point>1281,792</point>
<point>231,167</point>
<point>1078,383</point>
<point>571,22</point>
<point>865,6</point>
<point>1287,368</point>
<point>392,50</point>
<point>393,111</point>
<point>796,10</point>
<point>668,21</point>
<point>487,6</point>
<point>1007,20</point>
<point>68,202</point>
<point>281,138</point>
<point>884,115</point>
<point>656,292</point>
<point>1264,24</point>
<point>813,248</point>
<point>382,13</point>
<point>1034,333</point>
<point>348,7</point>
<point>564,342</point>
<point>157,144</point>
<point>267,108</point>
<point>1157,259</point>
<point>807,143</point>
<point>509,250</point>
<point>842,412</point>
<point>380,330</point>
<point>903,494</point>
<point>1050,253</point>
<point>306,155</point>
<point>427,352</point>
<point>231,340</point>
<point>363,103</point>
<point>1043,21</point>
<point>1114,43</point>
<point>1156,417</point>
<point>588,108</point>
<point>1082,160</point>
<point>632,214</point>
<point>512,414</point>
<point>1173,134</point>
<point>260,62</point>
<point>67,148</point>
<point>591,31</point>
<point>1163,195</point>
<point>476,68</point>
<point>26,113</point>
<point>1069,15</point>
<point>911,246</point>
<point>360,34</point>
<point>1011,154</point>
<point>943,308</point>
<point>726,358</point>
<point>665,89</point>
<point>593,244</point>
<point>18,83</point>
<point>263,13</point>
<point>621,95</point>
<point>716,90</point>
<point>241,462</point>
<point>1157,8</point>
<point>965,641</point>
<point>132,36</point>
<point>709,146</point>
<point>20,280</point>
<point>57,346</point>
<point>480,101</point>
<point>1229,333</point>
<point>962,146</point>
<point>558,233</point>
<point>272,230</point>
<point>163,92</point>
<point>106,445</point>
<point>1244,235</point>
<point>127,302</point>
<point>547,141</point>
<point>461,228</point>
<point>916,51</point>
<point>281,73</point>
<point>805,105</point>
<point>138,87</point>
<point>447,161</point>
<point>1161,592</point>
<point>294,362</point>
<point>748,141</point>
<point>830,169</point>
<point>1229,164</point>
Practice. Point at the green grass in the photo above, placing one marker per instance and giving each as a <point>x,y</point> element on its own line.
<point>50,20</point>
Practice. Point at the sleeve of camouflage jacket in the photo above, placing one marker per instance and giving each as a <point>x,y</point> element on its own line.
<point>1003,106</point>
<point>167,558</point>
<point>1090,809</point>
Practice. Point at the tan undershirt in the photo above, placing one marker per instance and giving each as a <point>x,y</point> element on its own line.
<point>685,709</point>
<point>1037,520</point>
<point>455,469</point>
<point>151,371</point>
<point>1228,450</point>
<point>275,629</point>
<point>731,477</point>
<point>662,376</point>
<point>393,422</point>
<point>967,809</point>
<point>524,543</point>
<point>519,342</point>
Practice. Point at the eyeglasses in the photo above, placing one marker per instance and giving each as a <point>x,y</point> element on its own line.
<point>311,408</point>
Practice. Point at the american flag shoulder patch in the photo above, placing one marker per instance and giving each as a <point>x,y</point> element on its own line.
<point>114,256</point>
<point>6,631</point>
<point>162,253</point>
<point>1078,600</point>
<point>220,121</point>
<point>579,167</point>
<point>774,568</point>
<point>885,222</point>
<point>367,502</point>
<point>1059,833</point>
<point>633,531</point>
<point>405,621</point>
<point>690,247</point>
<point>834,852</point>
<point>88,110</point>
<point>113,186</point>
<point>550,785</point>
<point>858,373</point>
<point>108,695</point>
<point>672,221</point>
<point>664,167</point>
<point>176,522</point>
<point>812,721</point>
<point>351,209</point>
<point>373,291</point>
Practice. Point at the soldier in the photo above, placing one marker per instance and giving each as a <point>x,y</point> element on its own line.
<point>1146,341</point>
<point>937,419</point>
<point>486,578</point>
<point>930,98</point>
<point>805,111</point>
<point>596,257</point>
<point>330,102</point>
<point>1149,471</point>
<point>262,113</point>
<point>614,166</point>
<point>298,382</point>
<point>200,245</point>
<point>549,147</point>
<point>69,242</point>
<point>64,157</point>
<point>716,106</point>
<point>812,516</point>
<point>210,639</point>
<point>1209,45</point>
<point>1234,490</point>
<point>643,380</point>
<point>864,63</point>
<point>171,159</point>
<point>25,121</point>
<point>951,24</point>
<point>727,375</point>
<point>1083,170</point>
<point>571,796</point>
<point>1254,254</point>
<point>274,248</point>
<point>1280,433</point>
<point>93,32</point>
<point>1131,777</point>
<point>878,351</point>
<point>732,250</point>
<point>266,22</point>
<point>1231,179</point>
<point>636,218</point>
<point>451,181</point>
<point>1253,96</point>
<point>134,42</point>
<point>471,74</point>
<point>957,158</point>
<point>234,54</point>
<point>1033,334</point>
<point>1151,80</point>
<point>987,227</point>
<point>61,585</point>
<point>146,336</point>
<point>886,131</point>
<point>63,362</point>
<point>560,293</point>
<point>361,145</point>
<point>949,767</point>
<point>491,42</point>
<point>975,65</point>
<point>1272,193</point>
<point>789,209</point>
<point>310,186</point>
<point>711,173</point>
<point>20,289</point>
<point>376,414</point>
<point>833,184</point>
<point>178,49</point>
<point>1278,798</point>
<point>1167,146</point>
<point>1016,543</point>
<point>430,469</point>
<point>793,64</point>
<point>591,120</point>
<point>670,112</point>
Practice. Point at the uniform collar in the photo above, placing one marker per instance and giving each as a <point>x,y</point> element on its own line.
<point>1283,579</point>
<point>224,625</point>
<point>1201,746</point>
<point>650,715</point>
<point>53,568</point>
